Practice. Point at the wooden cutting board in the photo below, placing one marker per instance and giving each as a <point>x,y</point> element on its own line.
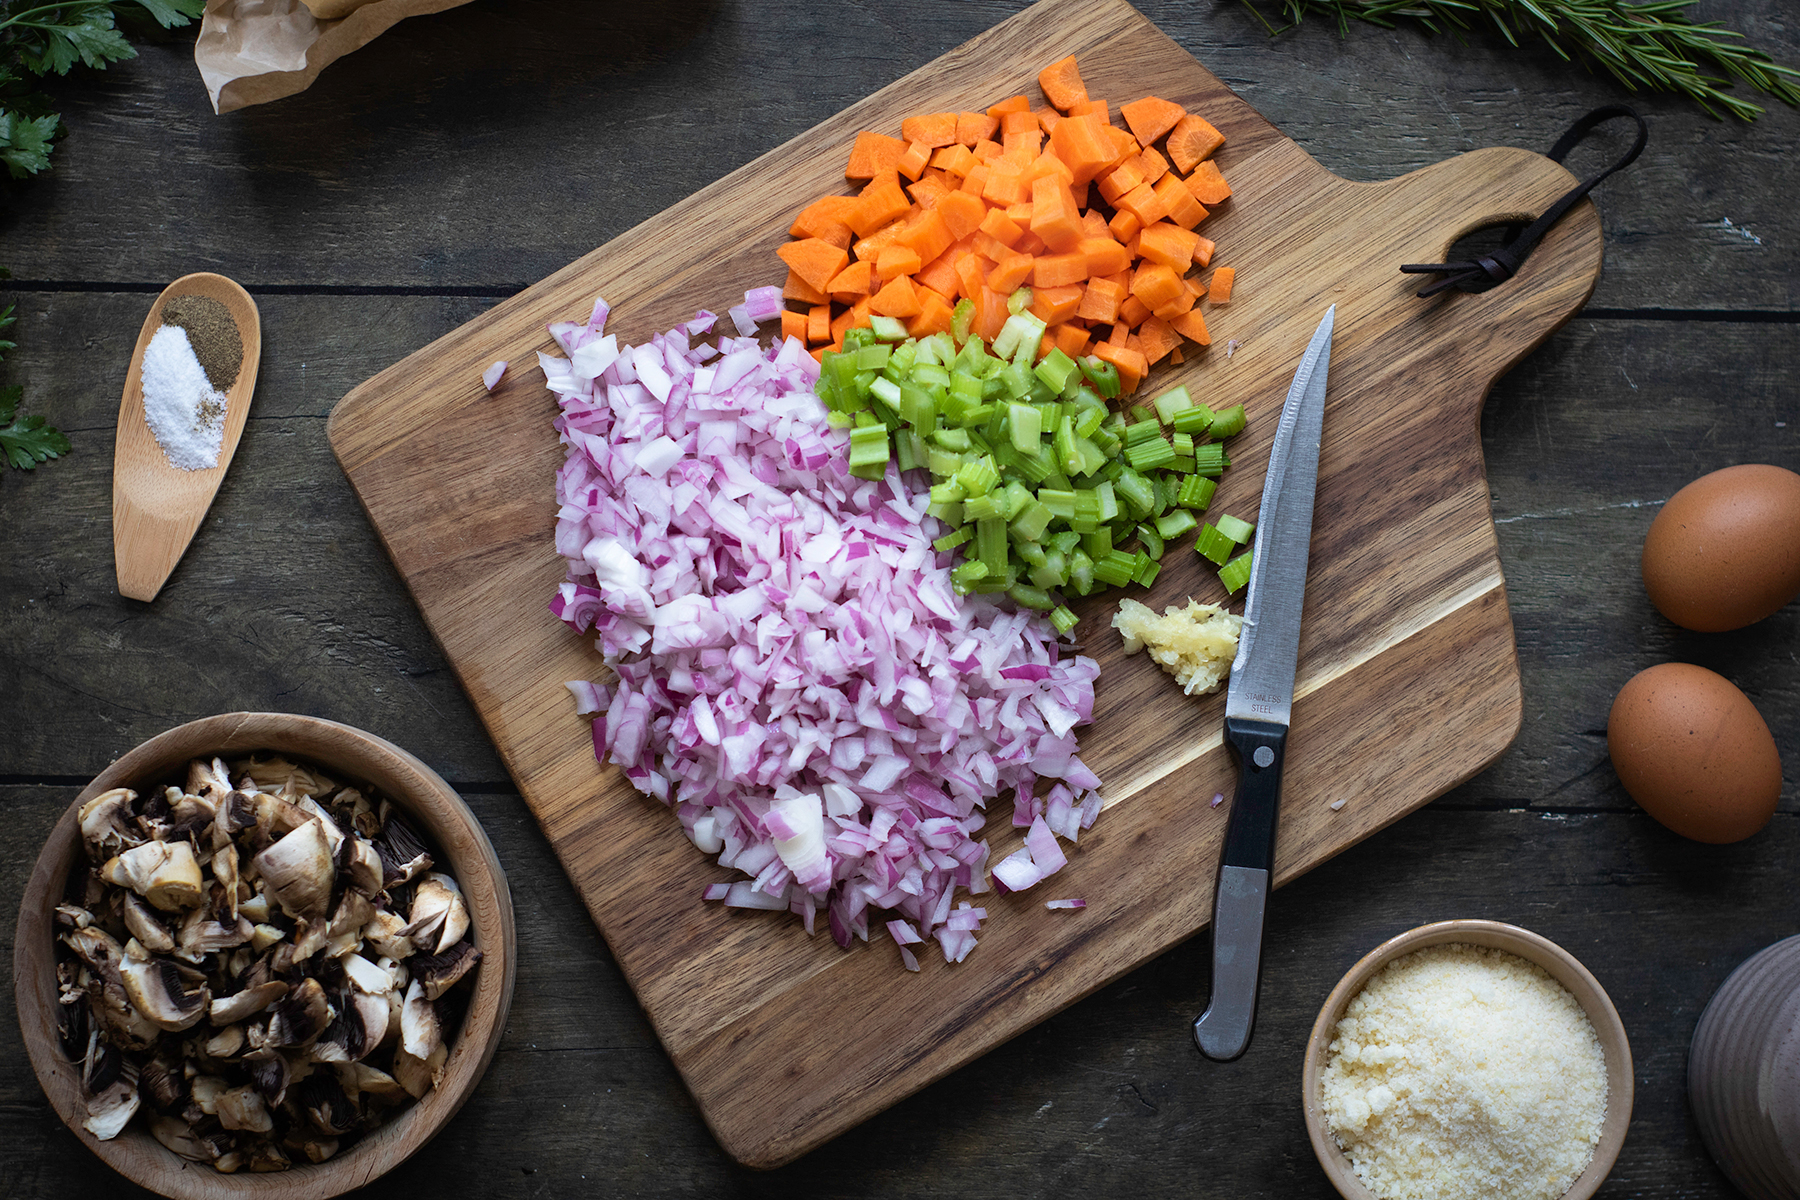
<point>1408,680</point>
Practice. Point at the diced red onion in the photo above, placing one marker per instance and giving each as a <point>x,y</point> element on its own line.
<point>1073,902</point>
<point>796,675</point>
<point>1218,799</point>
<point>490,378</point>
<point>763,303</point>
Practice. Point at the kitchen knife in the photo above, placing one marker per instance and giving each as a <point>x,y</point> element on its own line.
<point>1259,704</point>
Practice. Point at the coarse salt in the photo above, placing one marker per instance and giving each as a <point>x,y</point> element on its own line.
<point>184,412</point>
<point>1462,1072</point>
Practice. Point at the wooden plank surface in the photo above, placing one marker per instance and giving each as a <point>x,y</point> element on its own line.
<point>1405,582</point>
<point>331,207</point>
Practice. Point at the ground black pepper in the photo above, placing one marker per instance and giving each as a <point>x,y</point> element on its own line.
<point>213,335</point>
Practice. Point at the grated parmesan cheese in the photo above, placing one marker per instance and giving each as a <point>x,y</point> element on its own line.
<point>1194,644</point>
<point>1461,1072</point>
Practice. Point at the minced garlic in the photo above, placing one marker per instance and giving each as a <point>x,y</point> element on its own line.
<point>1195,644</point>
<point>1465,1072</point>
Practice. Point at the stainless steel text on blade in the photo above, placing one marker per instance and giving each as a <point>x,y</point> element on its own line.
<point>1262,675</point>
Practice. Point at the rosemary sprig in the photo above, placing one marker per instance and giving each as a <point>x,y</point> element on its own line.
<point>1651,44</point>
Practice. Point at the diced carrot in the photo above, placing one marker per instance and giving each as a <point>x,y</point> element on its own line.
<point>870,247</point>
<point>973,127</point>
<point>882,201</point>
<point>1124,145</point>
<point>1222,279</point>
<point>1009,105</point>
<point>793,325</point>
<point>823,218</point>
<point>991,246</point>
<point>840,324</point>
<point>1192,140</point>
<point>899,298</point>
<point>872,154</point>
<point>1192,325</point>
<point>1054,216</point>
<point>1151,117</point>
<point>1058,270</point>
<point>957,159</point>
<point>857,279</point>
<point>818,323</point>
<point>940,274</point>
<point>934,129</point>
<point>1048,165</point>
<point>1072,340</point>
<point>1143,203</point>
<point>823,228</point>
<point>975,182</point>
<point>987,150</point>
<point>1030,243</point>
<point>928,236</point>
<point>1203,252</point>
<point>990,313</point>
<point>1104,255</point>
<point>961,213</point>
<point>1208,185</point>
<point>1100,300</point>
<point>1151,164</point>
<point>815,260</point>
<point>1183,209</point>
<point>1021,149</point>
<point>1080,142</point>
<point>1177,306</point>
<point>896,260</point>
<point>1047,119</point>
<point>930,190</point>
<point>1093,222</point>
<point>1055,304</point>
<point>1156,285</point>
<point>934,315</point>
<point>1119,180</point>
<point>1157,338</point>
<point>797,288</point>
<point>912,163</point>
<point>1195,288</point>
<point>1168,244</point>
<point>1010,273</point>
<point>1062,85</point>
<point>1124,225</point>
<point>1021,121</point>
<point>1131,364</point>
<point>1120,331</point>
<point>1092,108</point>
<point>1133,312</point>
<point>818,353</point>
<point>1021,212</point>
<point>971,273</point>
<point>1005,184</point>
<point>1001,227</point>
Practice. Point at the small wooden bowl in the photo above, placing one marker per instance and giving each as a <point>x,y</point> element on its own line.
<point>448,826</point>
<point>1562,966</point>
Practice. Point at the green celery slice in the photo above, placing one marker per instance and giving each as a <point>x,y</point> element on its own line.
<point>1213,546</point>
<point>1236,529</point>
<point>1229,422</point>
<point>1236,573</point>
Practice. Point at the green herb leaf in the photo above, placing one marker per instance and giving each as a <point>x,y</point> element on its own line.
<point>27,441</point>
<point>25,142</point>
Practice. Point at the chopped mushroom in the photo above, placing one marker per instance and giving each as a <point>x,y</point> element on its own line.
<point>236,963</point>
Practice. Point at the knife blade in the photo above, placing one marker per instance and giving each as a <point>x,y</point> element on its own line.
<point>1259,704</point>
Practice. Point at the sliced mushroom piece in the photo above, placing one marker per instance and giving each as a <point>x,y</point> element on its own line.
<point>365,975</point>
<point>299,872</point>
<point>333,834</point>
<point>100,1065</point>
<point>142,923</point>
<point>360,1026</point>
<point>363,867</point>
<point>300,1016</point>
<point>264,936</point>
<point>318,1149</point>
<point>270,1073</point>
<point>107,824</point>
<point>110,1108</point>
<point>263,1157</point>
<point>439,916</point>
<point>162,1082</point>
<point>403,853</point>
<point>420,1032</point>
<point>327,1108</point>
<point>439,972</point>
<point>188,816</point>
<point>179,1138</point>
<point>165,873</point>
<point>360,1078</point>
<point>242,1108</point>
<point>114,1013</point>
<point>385,935</point>
<point>226,1043</point>
<point>73,916</point>
<point>310,937</point>
<point>98,949</point>
<point>229,1010</point>
<point>225,884</point>
<point>256,908</point>
<point>419,1076</point>
<point>200,935</point>
<point>236,812</point>
<point>206,1090</point>
<point>170,996</point>
<point>208,778</point>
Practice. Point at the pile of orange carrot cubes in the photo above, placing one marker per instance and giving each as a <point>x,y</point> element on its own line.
<point>977,219</point>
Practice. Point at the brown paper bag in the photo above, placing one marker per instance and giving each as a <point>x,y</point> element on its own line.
<point>253,51</point>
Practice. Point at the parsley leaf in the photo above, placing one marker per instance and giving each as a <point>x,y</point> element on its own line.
<point>27,441</point>
<point>25,142</point>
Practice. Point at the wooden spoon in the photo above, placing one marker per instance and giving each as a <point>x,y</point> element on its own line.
<point>157,506</point>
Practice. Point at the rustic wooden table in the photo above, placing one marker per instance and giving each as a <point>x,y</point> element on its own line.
<point>465,155</point>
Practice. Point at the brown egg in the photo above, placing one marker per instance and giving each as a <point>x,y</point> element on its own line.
<point>1725,550</point>
<point>1693,750</point>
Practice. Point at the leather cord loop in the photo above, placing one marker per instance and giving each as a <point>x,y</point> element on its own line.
<point>1504,263</point>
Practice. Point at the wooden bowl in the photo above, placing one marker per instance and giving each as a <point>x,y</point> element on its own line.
<point>447,825</point>
<point>1562,966</point>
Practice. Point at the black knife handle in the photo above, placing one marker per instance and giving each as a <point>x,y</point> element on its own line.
<point>1250,833</point>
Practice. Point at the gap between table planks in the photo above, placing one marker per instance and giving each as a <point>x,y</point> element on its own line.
<point>1408,675</point>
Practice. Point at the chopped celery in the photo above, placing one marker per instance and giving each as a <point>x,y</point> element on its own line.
<point>1032,521</point>
<point>966,574</point>
<point>1193,421</point>
<point>953,539</point>
<point>873,358</point>
<point>869,452</point>
<point>1213,545</point>
<point>1031,597</point>
<point>1196,492</point>
<point>1173,401</point>
<point>1055,370</point>
<point>887,329</point>
<point>1176,522</point>
<point>1025,421</point>
<point>1210,460</point>
<point>1150,540</point>
<point>1062,618</point>
<point>1236,573</point>
<point>1019,301</point>
<point>1149,454</point>
<point>1102,375</point>
<point>991,543</point>
<point>1147,574</point>
<point>1237,530</point>
<point>1142,431</point>
<point>1115,569</point>
<point>962,317</point>
<point>1230,421</point>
